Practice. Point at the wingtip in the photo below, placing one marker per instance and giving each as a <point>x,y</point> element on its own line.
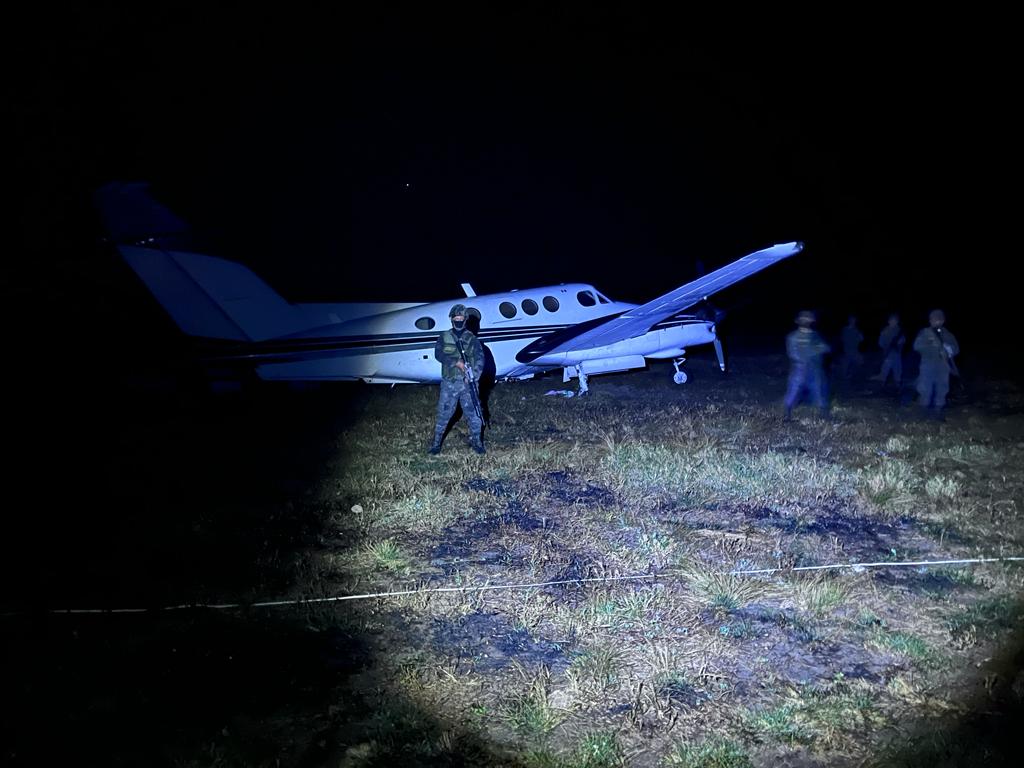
<point>793,246</point>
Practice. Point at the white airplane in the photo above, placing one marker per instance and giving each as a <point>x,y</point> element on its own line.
<point>571,326</point>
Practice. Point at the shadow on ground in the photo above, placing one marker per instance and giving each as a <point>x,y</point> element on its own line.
<point>154,496</point>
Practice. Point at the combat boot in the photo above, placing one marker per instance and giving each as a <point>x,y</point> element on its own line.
<point>478,446</point>
<point>435,447</point>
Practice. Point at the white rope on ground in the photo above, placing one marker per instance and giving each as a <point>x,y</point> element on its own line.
<point>862,566</point>
<point>531,585</point>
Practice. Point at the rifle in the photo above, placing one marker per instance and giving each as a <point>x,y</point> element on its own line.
<point>949,361</point>
<point>470,378</point>
<point>948,358</point>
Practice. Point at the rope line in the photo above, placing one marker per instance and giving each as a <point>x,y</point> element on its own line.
<point>528,585</point>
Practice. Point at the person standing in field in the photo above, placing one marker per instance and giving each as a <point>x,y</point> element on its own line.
<point>937,347</point>
<point>806,351</point>
<point>461,356</point>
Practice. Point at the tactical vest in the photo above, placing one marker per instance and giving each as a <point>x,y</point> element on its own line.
<point>448,353</point>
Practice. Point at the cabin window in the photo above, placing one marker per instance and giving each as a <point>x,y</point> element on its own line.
<point>550,303</point>
<point>507,309</point>
<point>425,323</point>
<point>530,306</point>
<point>586,298</point>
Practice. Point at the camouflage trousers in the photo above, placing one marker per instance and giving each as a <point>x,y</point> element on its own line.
<point>809,379</point>
<point>453,393</point>
<point>933,384</point>
<point>892,364</point>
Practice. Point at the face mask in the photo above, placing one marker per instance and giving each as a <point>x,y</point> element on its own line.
<point>458,325</point>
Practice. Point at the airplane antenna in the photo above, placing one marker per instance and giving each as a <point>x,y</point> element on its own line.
<point>468,289</point>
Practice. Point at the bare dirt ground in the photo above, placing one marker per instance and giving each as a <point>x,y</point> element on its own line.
<point>671,535</point>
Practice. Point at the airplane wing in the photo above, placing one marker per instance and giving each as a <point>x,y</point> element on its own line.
<point>638,321</point>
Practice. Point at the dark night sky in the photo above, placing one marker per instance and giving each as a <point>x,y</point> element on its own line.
<point>350,157</point>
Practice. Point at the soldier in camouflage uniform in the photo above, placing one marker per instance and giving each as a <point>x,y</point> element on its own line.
<point>891,341</point>
<point>806,350</point>
<point>851,359</point>
<point>937,348</point>
<point>461,354</point>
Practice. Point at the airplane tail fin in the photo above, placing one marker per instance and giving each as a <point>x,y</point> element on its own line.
<point>131,215</point>
<point>205,295</point>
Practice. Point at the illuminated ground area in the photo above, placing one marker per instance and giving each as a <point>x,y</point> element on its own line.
<point>269,494</point>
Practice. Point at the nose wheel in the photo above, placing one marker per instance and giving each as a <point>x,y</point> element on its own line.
<point>679,377</point>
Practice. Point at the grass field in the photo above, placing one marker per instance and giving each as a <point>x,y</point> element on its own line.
<point>637,513</point>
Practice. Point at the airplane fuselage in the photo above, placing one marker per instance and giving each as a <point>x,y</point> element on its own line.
<point>398,346</point>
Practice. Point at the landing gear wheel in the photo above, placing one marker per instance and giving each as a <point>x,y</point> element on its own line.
<point>680,376</point>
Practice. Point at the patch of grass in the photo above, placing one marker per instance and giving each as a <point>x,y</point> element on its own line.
<point>897,444</point>
<point>529,608</point>
<point>970,455</point>
<point>713,753</point>
<point>964,576</point>
<point>599,610</point>
<point>868,619</point>
<point>522,460</point>
<point>604,609</point>
<point>639,469</point>
<point>531,713</point>
<point>595,750</point>
<point>427,508</point>
<point>640,603</point>
<point>802,627</point>
<point>905,644</point>
<point>597,670</point>
<point>939,488</point>
<point>768,479</point>
<point>891,486</point>
<point>844,704</point>
<point>779,724</point>
<point>654,547</point>
<point>907,689</point>
<point>719,589</point>
<point>821,593</point>
<point>542,758</point>
<point>388,555</point>
<point>701,473</point>
<point>665,662</point>
<point>738,629</point>
<point>828,716</point>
